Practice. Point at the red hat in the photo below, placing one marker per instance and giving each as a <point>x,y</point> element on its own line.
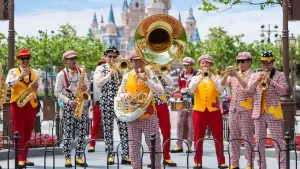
<point>23,52</point>
<point>101,61</point>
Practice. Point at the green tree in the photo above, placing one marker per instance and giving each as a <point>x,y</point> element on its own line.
<point>211,6</point>
<point>50,45</point>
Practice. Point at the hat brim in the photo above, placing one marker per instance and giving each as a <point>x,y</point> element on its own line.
<point>23,55</point>
<point>185,63</point>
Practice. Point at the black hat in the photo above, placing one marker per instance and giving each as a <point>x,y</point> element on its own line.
<point>111,49</point>
<point>267,56</point>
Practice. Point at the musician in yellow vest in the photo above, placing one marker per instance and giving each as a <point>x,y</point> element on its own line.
<point>207,89</point>
<point>147,123</point>
<point>23,116</point>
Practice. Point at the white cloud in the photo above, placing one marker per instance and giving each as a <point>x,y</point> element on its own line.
<point>234,22</point>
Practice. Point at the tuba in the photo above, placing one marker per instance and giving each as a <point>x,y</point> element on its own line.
<point>3,88</point>
<point>159,40</point>
<point>28,93</point>
<point>81,97</point>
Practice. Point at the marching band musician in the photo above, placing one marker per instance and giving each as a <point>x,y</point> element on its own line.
<point>163,115</point>
<point>206,91</point>
<point>108,79</point>
<point>132,83</point>
<point>240,122</point>
<point>23,118</point>
<point>95,108</point>
<point>183,116</point>
<point>66,88</point>
<point>267,112</point>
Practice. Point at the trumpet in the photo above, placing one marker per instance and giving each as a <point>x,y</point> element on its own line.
<point>122,66</point>
<point>205,73</point>
<point>229,70</point>
<point>263,84</point>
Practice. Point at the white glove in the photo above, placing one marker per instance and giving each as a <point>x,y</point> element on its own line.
<point>91,112</point>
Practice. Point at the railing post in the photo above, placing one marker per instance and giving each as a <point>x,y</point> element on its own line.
<point>16,139</point>
<point>287,139</point>
<point>57,122</point>
<point>153,143</point>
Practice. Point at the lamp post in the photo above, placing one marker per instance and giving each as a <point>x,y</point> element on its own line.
<point>268,31</point>
<point>11,34</point>
<point>287,103</point>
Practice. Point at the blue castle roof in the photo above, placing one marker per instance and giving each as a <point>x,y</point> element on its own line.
<point>111,18</point>
<point>125,5</point>
<point>95,19</point>
<point>195,36</point>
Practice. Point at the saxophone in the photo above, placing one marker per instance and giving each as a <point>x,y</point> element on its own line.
<point>81,98</point>
<point>28,93</point>
<point>3,88</point>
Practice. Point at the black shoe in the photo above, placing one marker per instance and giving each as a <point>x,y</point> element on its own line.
<point>177,151</point>
<point>126,162</point>
<point>81,164</point>
<point>91,149</point>
<point>21,166</point>
<point>110,161</point>
<point>222,167</point>
<point>149,165</point>
<point>197,167</point>
<point>29,163</point>
<point>172,164</point>
<point>68,165</point>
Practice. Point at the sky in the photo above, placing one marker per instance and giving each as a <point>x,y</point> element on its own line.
<point>34,15</point>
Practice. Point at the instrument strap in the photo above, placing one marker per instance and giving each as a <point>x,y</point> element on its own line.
<point>22,80</point>
<point>66,75</point>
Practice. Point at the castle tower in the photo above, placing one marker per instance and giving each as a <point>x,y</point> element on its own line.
<point>111,24</point>
<point>190,24</point>
<point>179,18</point>
<point>155,7</point>
<point>136,13</point>
<point>94,28</point>
<point>124,14</point>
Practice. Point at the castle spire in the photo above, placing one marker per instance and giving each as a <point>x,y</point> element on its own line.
<point>102,21</point>
<point>111,18</point>
<point>179,18</point>
<point>191,18</point>
<point>95,22</point>
<point>125,5</point>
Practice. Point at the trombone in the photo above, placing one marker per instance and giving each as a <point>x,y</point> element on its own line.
<point>122,66</point>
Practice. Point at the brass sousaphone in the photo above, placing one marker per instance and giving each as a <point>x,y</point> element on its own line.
<point>159,40</point>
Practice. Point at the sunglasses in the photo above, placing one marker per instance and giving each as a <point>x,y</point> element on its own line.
<point>72,58</point>
<point>26,58</point>
<point>241,61</point>
<point>114,57</point>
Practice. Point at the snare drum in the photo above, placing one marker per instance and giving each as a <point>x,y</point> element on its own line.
<point>179,105</point>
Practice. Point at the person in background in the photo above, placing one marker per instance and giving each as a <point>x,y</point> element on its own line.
<point>95,113</point>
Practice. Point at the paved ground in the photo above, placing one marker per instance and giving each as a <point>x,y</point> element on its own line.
<point>98,159</point>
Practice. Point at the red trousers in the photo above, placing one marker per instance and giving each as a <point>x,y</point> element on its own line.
<point>96,124</point>
<point>163,115</point>
<point>23,121</point>
<point>215,122</point>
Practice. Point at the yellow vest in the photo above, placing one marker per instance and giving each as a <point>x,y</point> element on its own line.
<point>206,96</point>
<point>264,102</point>
<point>133,87</point>
<point>20,87</point>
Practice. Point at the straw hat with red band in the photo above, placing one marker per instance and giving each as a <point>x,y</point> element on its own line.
<point>22,53</point>
<point>69,54</point>
<point>267,56</point>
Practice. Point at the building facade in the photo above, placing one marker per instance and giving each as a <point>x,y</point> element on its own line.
<point>132,14</point>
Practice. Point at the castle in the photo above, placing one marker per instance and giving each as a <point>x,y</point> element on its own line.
<point>131,15</point>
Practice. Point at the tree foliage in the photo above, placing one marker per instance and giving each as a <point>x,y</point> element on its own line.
<point>208,5</point>
<point>224,48</point>
<point>50,45</point>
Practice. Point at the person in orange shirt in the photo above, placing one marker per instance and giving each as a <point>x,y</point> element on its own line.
<point>207,89</point>
<point>136,81</point>
<point>23,118</point>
